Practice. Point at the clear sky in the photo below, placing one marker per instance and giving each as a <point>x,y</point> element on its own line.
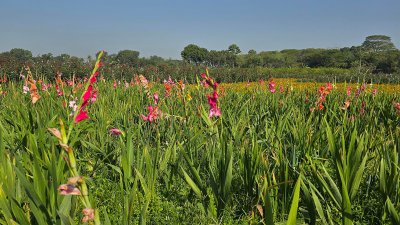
<point>164,28</point>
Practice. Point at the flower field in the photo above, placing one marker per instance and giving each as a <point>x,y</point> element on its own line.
<point>276,151</point>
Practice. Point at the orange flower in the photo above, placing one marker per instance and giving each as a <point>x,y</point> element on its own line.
<point>33,91</point>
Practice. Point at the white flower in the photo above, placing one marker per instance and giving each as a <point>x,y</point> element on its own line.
<point>25,89</point>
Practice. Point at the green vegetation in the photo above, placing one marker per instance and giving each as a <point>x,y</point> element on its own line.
<point>268,159</point>
<point>377,59</point>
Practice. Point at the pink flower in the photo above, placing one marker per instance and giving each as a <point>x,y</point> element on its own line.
<point>271,86</point>
<point>154,113</point>
<point>281,89</point>
<point>396,105</point>
<point>169,81</point>
<point>70,83</point>
<point>212,101</point>
<point>94,96</point>
<point>115,132</point>
<point>89,215</point>
<point>45,87</point>
<point>115,84</point>
<point>214,112</point>
<point>155,97</point>
<point>375,91</point>
<point>204,83</point>
<point>348,91</point>
<point>68,189</point>
<point>208,81</point>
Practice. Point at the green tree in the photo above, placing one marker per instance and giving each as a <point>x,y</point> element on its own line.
<point>194,54</point>
<point>234,49</point>
<point>253,59</point>
<point>20,54</point>
<point>128,57</point>
<point>378,43</point>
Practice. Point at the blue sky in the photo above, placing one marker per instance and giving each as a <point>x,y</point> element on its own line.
<point>164,28</point>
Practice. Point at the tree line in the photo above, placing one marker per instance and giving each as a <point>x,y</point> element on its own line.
<point>376,55</point>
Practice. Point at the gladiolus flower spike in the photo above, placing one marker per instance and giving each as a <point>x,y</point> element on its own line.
<point>89,94</point>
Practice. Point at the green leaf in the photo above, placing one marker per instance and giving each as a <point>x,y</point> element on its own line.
<point>394,215</point>
<point>192,184</point>
<point>292,218</point>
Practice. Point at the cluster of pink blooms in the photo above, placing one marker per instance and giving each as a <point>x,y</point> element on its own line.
<point>348,92</point>
<point>153,114</point>
<point>115,131</point>
<point>70,83</point>
<point>213,99</point>
<point>154,111</point>
<point>90,94</point>
<point>375,91</point>
<point>271,86</point>
<point>45,87</point>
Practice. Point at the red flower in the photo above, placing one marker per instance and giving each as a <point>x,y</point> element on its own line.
<point>168,89</point>
<point>82,115</point>
<point>329,86</point>
<point>59,92</point>
<point>89,94</point>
